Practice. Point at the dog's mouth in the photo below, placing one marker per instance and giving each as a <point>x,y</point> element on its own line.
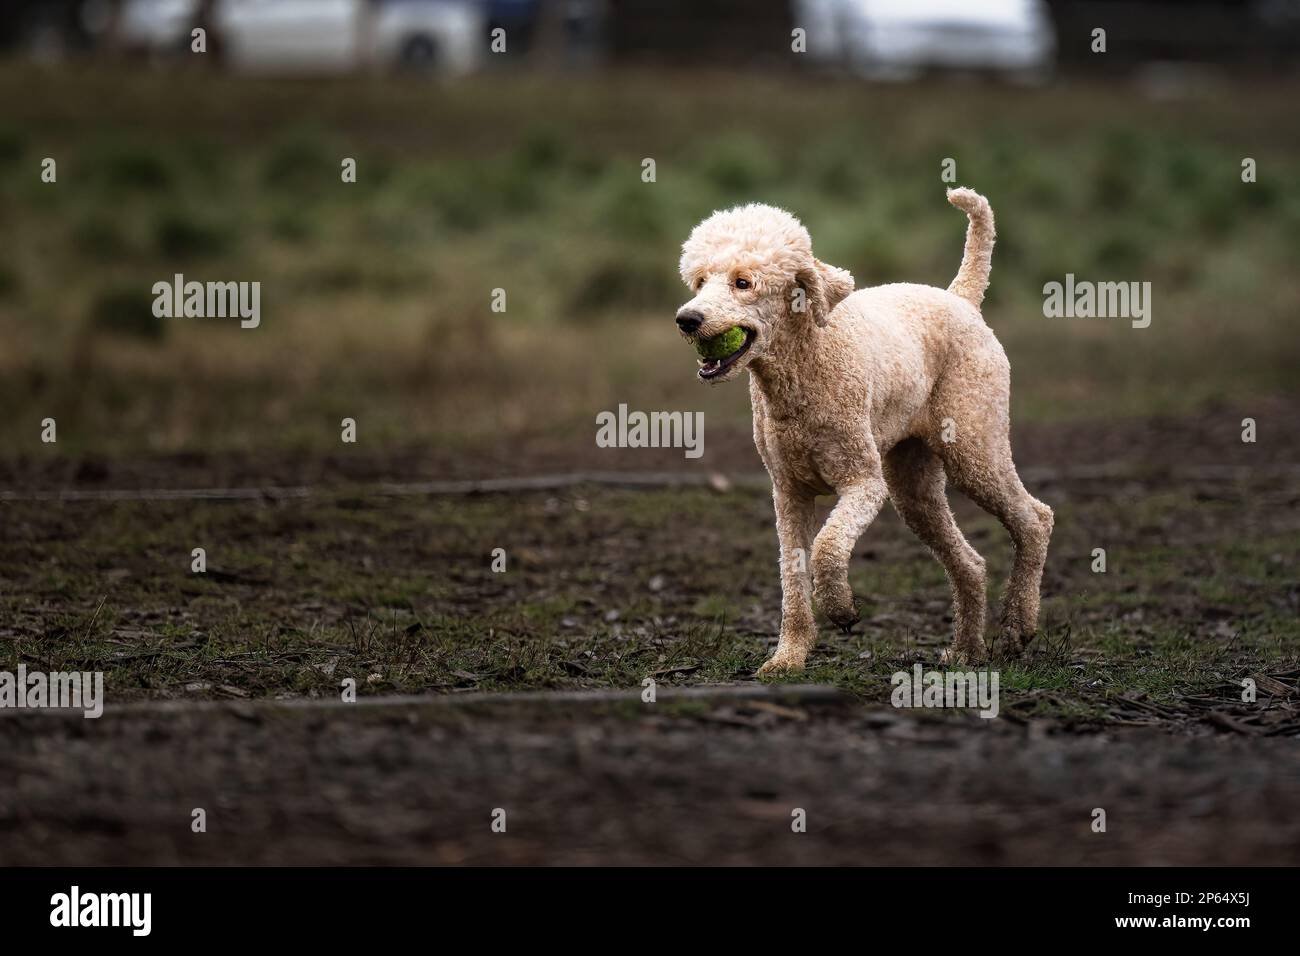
<point>714,366</point>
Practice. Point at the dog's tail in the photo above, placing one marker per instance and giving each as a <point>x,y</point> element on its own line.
<point>973,276</point>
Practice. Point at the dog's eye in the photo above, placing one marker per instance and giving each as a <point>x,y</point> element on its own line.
<point>742,283</point>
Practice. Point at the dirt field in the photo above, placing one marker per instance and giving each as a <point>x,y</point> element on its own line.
<point>710,780</point>
<point>1130,701</point>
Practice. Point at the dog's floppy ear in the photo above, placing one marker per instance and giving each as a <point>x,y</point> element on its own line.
<point>838,284</point>
<point>824,287</point>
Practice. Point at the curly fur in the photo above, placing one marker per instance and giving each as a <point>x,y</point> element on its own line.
<point>887,392</point>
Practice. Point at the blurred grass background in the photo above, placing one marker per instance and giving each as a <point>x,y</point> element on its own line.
<point>376,295</point>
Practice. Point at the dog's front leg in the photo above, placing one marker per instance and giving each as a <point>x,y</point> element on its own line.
<point>794,524</point>
<point>858,506</point>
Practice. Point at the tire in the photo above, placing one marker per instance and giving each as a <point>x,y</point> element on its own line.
<point>419,54</point>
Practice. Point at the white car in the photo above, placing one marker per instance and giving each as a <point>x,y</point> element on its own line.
<point>157,25</point>
<point>336,35</point>
<point>898,39</point>
<point>320,36</point>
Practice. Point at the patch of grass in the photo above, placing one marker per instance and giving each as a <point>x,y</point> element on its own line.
<point>301,162</point>
<point>11,145</point>
<point>182,235</point>
<point>135,167</point>
<point>621,284</point>
<point>292,225</point>
<point>100,236</point>
<point>128,311</point>
<point>739,166</point>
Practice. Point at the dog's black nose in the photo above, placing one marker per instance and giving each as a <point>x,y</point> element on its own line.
<point>689,320</point>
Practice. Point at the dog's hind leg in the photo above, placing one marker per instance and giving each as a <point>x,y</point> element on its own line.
<point>859,503</point>
<point>916,483</point>
<point>989,477</point>
<point>1029,522</point>
<point>972,436</point>
<point>794,526</point>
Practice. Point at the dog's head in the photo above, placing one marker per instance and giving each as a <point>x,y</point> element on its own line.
<point>752,268</point>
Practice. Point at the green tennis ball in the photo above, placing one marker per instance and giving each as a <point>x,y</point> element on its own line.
<point>720,346</point>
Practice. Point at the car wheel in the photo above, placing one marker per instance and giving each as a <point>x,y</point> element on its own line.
<point>419,54</point>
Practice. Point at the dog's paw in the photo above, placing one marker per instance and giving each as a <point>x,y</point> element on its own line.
<point>844,619</point>
<point>780,663</point>
<point>1012,643</point>
<point>839,606</point>
<point>955,656</point>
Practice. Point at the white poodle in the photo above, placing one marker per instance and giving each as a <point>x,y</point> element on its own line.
<point>868,394</point>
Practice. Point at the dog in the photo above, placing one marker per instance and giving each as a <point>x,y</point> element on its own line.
<point>890,391</point>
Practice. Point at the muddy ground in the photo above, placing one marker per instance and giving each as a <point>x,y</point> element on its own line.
<point>223,687</point>
<point>705,780</point>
